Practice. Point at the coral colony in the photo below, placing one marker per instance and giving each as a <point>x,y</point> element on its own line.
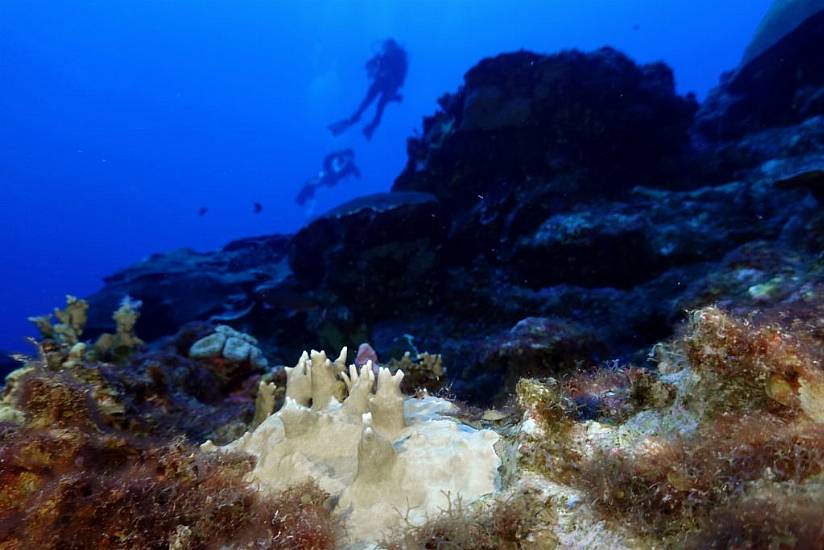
<point>376,452</point>
<point>627,336</point>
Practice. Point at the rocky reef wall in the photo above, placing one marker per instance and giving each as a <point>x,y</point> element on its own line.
<point>568,208</point>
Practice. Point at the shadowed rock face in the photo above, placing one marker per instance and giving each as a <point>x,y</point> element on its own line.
<point>807,175</point>
<point>783,18</point>
<point>182,286</point>
<point>378,253</point>
<point>597,117</point>
<point>783,85</point>
<point>555,194</point>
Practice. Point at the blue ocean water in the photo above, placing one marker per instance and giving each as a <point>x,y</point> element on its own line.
<point>119,120</point>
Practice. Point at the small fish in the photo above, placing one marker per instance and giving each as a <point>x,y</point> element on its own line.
<point>202,211</point>
<point>257,208</point>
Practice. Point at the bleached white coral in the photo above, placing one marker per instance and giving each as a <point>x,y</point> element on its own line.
<point>359,385</point>
<point>387,403</point>
<point>387,459</point>
<point>264,402</point>
<point>230,344</point>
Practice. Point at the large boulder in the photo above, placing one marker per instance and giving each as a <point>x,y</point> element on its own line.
<point>527,119</point>
<point>182,286</point>
<point>783,17</point>
<point>536,346</point>
<point>808,175</point>
<point>782,86</point>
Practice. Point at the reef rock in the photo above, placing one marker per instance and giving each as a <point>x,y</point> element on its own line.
<point>537,346</point>
<point>182,286</point>
<point>597,118</point>
<point>808,174</point>
<point>783,85</point>
<point>783,17</point>
<point>379,252</point>
<point>96,456</point>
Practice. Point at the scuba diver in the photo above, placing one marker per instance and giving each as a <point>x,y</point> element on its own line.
<point>336,166</point>
<point>387,70</point>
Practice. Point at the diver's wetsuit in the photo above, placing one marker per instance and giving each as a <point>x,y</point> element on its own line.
<point>336,166</point>
<point>388,72</point>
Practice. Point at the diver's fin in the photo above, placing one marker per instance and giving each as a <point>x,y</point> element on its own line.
<point>307,193</point>
<point>337,128</point>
